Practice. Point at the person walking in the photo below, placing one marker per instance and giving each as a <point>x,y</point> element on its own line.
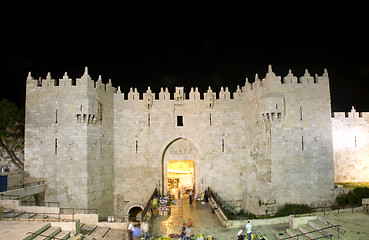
<point>183,232</point>
<point>248,230</point>
<point>130,229</point>
<point>191,196</point>
<point>137,232</point>
<point>145,230</point>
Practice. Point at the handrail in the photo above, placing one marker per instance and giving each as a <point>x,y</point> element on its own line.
<point>300,234</point>
<point>148,204</point>
<point>30,215</point>
<point>40,204</point>
<point>225,208</point>
<point>10,196</point>
<point>85,210</point>
<point>31,184</point>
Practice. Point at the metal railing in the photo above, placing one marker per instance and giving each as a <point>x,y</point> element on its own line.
<point>63,214</point>
<point>40,204</point>
<point>9,197</point>
<point>333,208</point>
<point>317,230</point>
<point>227,210</point>
<point>25,185</point>
<point>148,204</point>
<point>33,216</point>
<point>366,207</point>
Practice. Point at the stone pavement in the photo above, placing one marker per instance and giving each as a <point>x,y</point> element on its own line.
<point>18,229</point>
<point>204,221</point>
<point>356,224</point>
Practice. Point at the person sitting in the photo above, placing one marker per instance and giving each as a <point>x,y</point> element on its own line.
<point>240,236</point>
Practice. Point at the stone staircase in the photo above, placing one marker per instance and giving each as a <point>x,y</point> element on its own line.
<point>314,229</point>
<point>48,231</point>
<point>88,232</point>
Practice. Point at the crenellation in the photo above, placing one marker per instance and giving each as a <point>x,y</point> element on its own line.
<point>224,94</point>
<point>351,144</point>
<point>353,114</point>
<point>261,133</point>
<point>164,95</point>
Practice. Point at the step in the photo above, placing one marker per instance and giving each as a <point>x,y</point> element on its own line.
<point>292,232</point>
<point>12,214</point>
<point>309,231</point>
<point>281,235</point>
<point>87,229</point>
<point>37,232</point>
<point>99,232</point>
<point>63,235</point>
<point>77,237</point>
<point>319,225</point>
<point>39,217</point>
<point>116,234</point>
<point>48,233</point>
<point>329,224</point>
<point>26,215</point>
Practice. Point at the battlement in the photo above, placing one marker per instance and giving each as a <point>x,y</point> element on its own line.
<point>353,114</point>
<point>85,80</point>
<point>271,82</point>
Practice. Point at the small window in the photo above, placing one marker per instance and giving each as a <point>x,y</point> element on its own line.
<point>136,146</point>
<point>179,121</point>
<point>222,144</point>
<point>210,119</point>
<point>148,120</point>
<point>56,115</point>
<point>56,146</point>
<point>302,143</point>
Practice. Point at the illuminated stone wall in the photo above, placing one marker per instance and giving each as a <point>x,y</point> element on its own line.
<point>351,146</point>
<point>266,144</point>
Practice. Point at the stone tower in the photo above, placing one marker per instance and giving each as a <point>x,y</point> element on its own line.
<point>267,144</point>
<point>69,139</point>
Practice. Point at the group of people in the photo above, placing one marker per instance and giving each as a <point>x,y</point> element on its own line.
<point>240,235</point>
<point>187,232</point>
<point>136,231</point>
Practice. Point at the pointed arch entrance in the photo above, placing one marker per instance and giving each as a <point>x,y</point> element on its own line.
<point>180,166</point>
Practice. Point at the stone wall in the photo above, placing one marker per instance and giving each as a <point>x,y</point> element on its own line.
<point>351,146</point>
<point>265,144</point>
<point>64,138</point>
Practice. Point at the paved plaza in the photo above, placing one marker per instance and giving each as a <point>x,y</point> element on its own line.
<point>205,222</point>
<point>356,224</point>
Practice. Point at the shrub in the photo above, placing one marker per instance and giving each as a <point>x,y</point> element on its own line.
<point>251,216</point>
<point>289,209</point>
<point>341,200</point>
<point>361,192</point>
<point>265,216</point>
<point>352,199</point>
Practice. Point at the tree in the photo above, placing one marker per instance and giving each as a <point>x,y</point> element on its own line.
<point>12,131</point>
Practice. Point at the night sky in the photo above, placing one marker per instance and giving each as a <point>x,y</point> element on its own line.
<point>190,48</point>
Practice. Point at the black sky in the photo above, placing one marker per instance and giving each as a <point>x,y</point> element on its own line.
<point>190,48</point>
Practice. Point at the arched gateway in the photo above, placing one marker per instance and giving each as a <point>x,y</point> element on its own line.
<point>181,167</point>
<point>267,144</point>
